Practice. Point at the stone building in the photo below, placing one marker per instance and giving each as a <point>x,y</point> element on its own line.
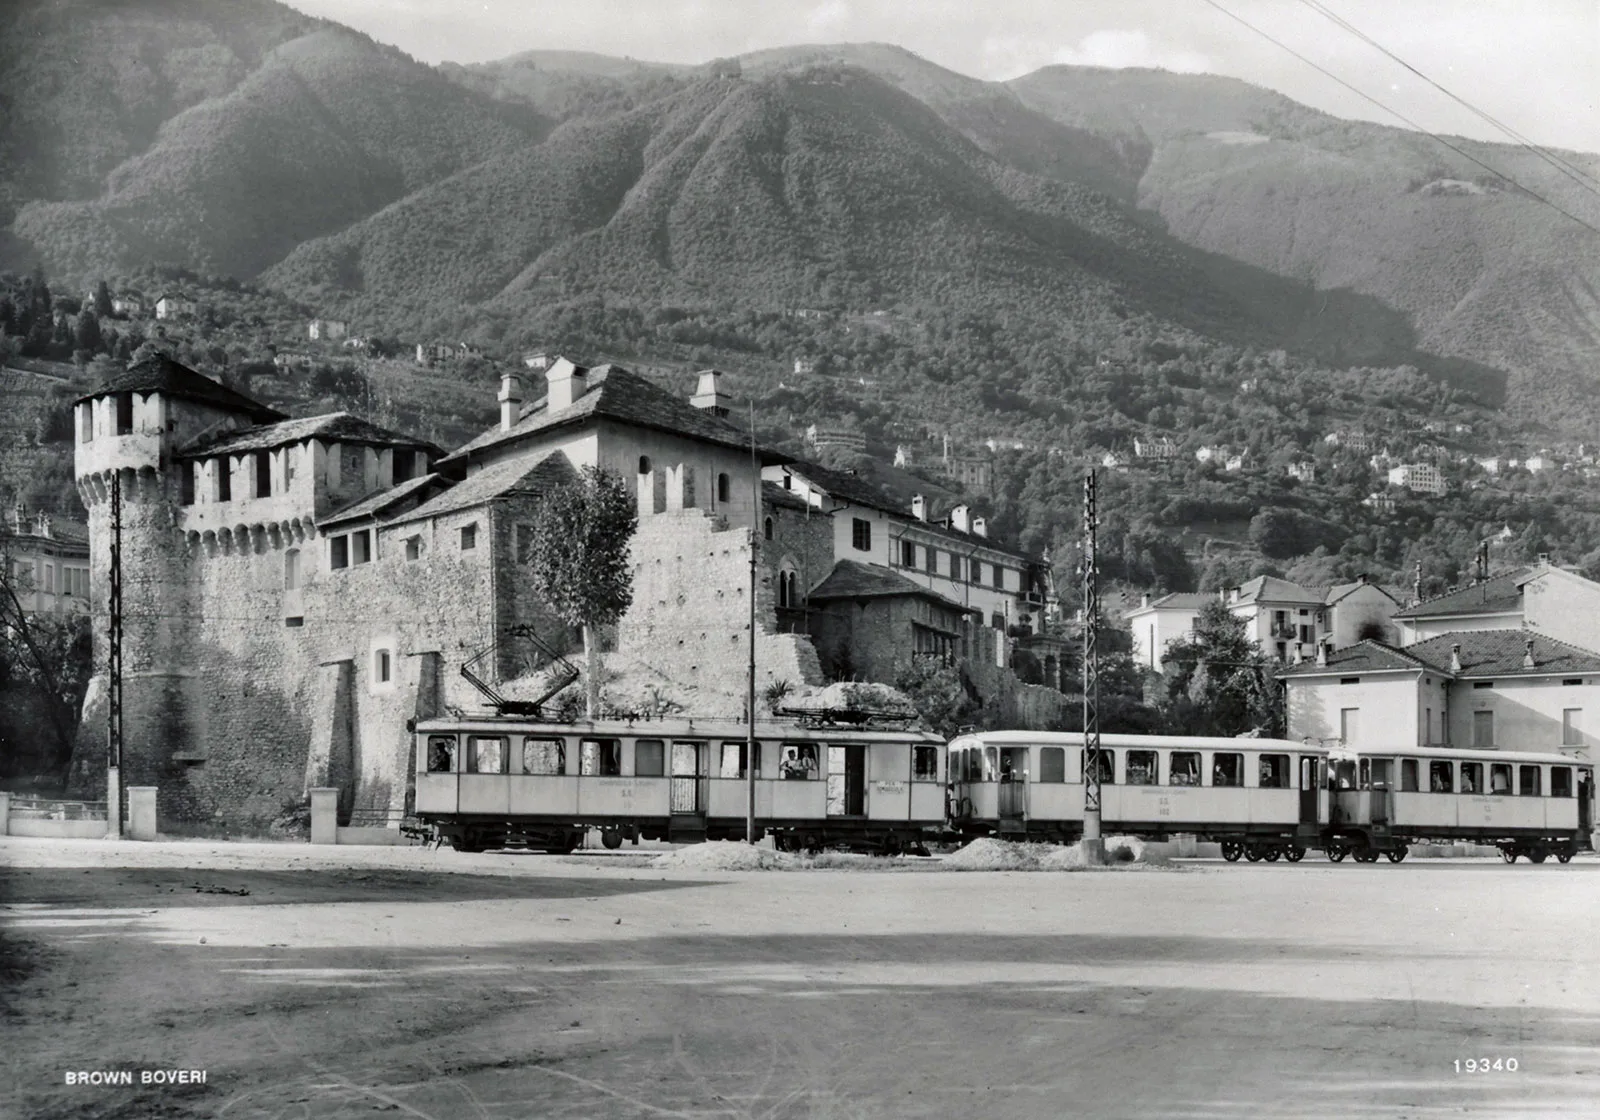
<point>296,589</point>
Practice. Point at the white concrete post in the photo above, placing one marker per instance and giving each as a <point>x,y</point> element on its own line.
<point>141,812</point>
<point>325,815</point>
<point>5,812</point>
<point>1188,845</point>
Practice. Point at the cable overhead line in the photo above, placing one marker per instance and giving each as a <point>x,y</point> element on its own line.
<point>1571,171</point>
<point>1405,119</point>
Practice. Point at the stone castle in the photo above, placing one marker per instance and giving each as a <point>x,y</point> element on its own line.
<point>296,590</point>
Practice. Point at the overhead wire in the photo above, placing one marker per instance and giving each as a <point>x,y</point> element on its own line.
<point>1468,156</point>
<point>1577,174</point>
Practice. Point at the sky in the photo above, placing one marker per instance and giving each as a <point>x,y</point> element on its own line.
<point>1533,65</point>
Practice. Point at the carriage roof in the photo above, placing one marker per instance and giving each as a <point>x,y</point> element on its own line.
<point>1147,742</point>
<point>675,729</point>
<point>1462,754</point>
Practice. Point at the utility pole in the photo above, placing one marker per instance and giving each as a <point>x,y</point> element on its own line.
<point>114,670</point>
<point>1094,848</point>
<point>750,699</point>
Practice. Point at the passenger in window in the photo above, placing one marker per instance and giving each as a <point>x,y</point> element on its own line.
<point>799,762</point>
<point>441,757</point>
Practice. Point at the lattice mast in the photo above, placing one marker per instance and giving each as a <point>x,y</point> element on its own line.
<point>1091,664</point>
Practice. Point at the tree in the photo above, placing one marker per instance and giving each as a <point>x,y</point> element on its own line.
<point>578,554</point>
<point>1218,682</point>
<point>86,332</point>
<point>102,300</point>
<point>939,692</point>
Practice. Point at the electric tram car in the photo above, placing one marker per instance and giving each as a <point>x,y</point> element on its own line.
<point>498,781</point>
<point>1524,803</point>
<point>1260,798</point>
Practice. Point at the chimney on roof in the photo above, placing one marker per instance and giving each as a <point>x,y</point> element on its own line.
<point>1299,654</point>
<point>1362,578</point>
<point>567,383</point>
<point>708,393</point>
<point>980,527</point>
<point>19,513</point>
<point>1455,658</point>
<point>1527,657</point>
<point>1322,653</point>
<point>1144,601</point>
<point>510,400</point>
<point>919,507</point>
<point>959,519</point>
<point>1544,559</point>
<point>41,527</point>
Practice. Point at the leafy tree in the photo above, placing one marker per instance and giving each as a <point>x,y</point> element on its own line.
<point>44,671</point>
<point>939,692</point>
<point>86,331</point>
<point>1218,682</point>
<point>102,299</point>
<point>578,555</point>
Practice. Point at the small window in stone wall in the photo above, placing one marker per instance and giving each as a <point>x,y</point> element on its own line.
<point>382,666</point>
<point>291,569</point>
<point>724,489</point>
<point>413,548</point>
<point>186,483</point>
<point>224,472</point>
<point>288,467</point>
<point>361,547</point>
<point>263,464</point>
<point>766,529</point>
<point>469,537</point>
<point>124,413</point>
<point>338,552</point>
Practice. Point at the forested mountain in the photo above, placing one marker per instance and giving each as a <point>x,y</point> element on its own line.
<point>1068,261</point>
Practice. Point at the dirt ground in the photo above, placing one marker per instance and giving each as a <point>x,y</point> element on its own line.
<point>354,982</point>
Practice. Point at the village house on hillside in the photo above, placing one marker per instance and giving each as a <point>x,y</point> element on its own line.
<point>329,330</point>
<point>172,306</point>
<point>47,559</point>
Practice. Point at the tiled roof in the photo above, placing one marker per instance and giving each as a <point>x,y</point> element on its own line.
<point>516,477</point>
<point>851,579</point>
<point>1271,589</point>
<point>374,504</point>
<point>1494,595</point>
<point>1365,656</point>
<point>864,492</point>
<point>1500,653</point>
<point>1340,590</point>
<point>1179,601</point>
<point>616,394</point>
<point>774,495</point>
<point>338,427</point>
<point>160,374</point>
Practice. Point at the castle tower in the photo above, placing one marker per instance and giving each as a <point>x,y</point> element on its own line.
<point>129,429</point>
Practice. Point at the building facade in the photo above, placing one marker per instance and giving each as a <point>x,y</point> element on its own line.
<point>47,560</point>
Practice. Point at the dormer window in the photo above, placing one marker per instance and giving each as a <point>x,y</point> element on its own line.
<point>124,413</point>
<point>263,464</point>
<point>644,464</point>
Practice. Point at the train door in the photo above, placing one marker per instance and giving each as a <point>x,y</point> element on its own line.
<point>1375,777</point>
<point>1585,805</point>
<point>847,785</point>
<point>1310,790</point>
<point>1013,792</point>
<point>685,793</point>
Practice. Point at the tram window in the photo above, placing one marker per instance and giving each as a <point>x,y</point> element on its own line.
<point>1141,768</point>
<point>1439,777</point>
<point>543,756</point>
<point>1472,777</point>
<point>1342,775</point>
<point>799,761</point>
<point>991,764</point>
<point>1185,768</point>
<point>1408,775</point>
<point>733,759</point>
<point>1274,771</point>
<point>924,764</point>
<point>1052,764</point>
<point>441,754</point>
<point>1227,769</point>
<point>1108,772</point>
<point>1500,778</point>
<point>1364,770</point>
<point>1560,781</point>
<point>1528,781</point>
<point>487,755</point>
<point>1380,773</point>
<point>600,757</point>
<point>649,758</point>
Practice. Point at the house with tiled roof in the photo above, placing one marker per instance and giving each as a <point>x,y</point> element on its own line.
<point>866,619</point>
<point>47,561</point>
<point>1157,623</point>
<point>1487,689</point>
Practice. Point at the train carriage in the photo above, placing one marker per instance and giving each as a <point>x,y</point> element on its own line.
<point>1525,803</point>
<point>1261,798</point>
<point>496,781</point>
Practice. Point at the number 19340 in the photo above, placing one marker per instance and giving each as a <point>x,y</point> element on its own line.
<point>1486,1065</point>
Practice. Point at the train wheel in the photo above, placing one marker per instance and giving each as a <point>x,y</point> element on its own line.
<point>1294,853</point>
<point>1367,855</point>
<point>1538,855</point>
<point>1337,852</point>
<point>611,838</point>
<point>1232,850</point>
<point>891,845</point>
<point>1397,855</point>
<point>1563,857</point>
<point>1253,854</point>
<point>1508,854</point>
<point>467,842</point>
<point>1271,854</point>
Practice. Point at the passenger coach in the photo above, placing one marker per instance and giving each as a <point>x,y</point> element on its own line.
<point>1526,804</point>
<point>1261,798</point>
<point>496,781</point>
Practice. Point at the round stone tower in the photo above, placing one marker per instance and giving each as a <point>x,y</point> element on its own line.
<point>128,432</point>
